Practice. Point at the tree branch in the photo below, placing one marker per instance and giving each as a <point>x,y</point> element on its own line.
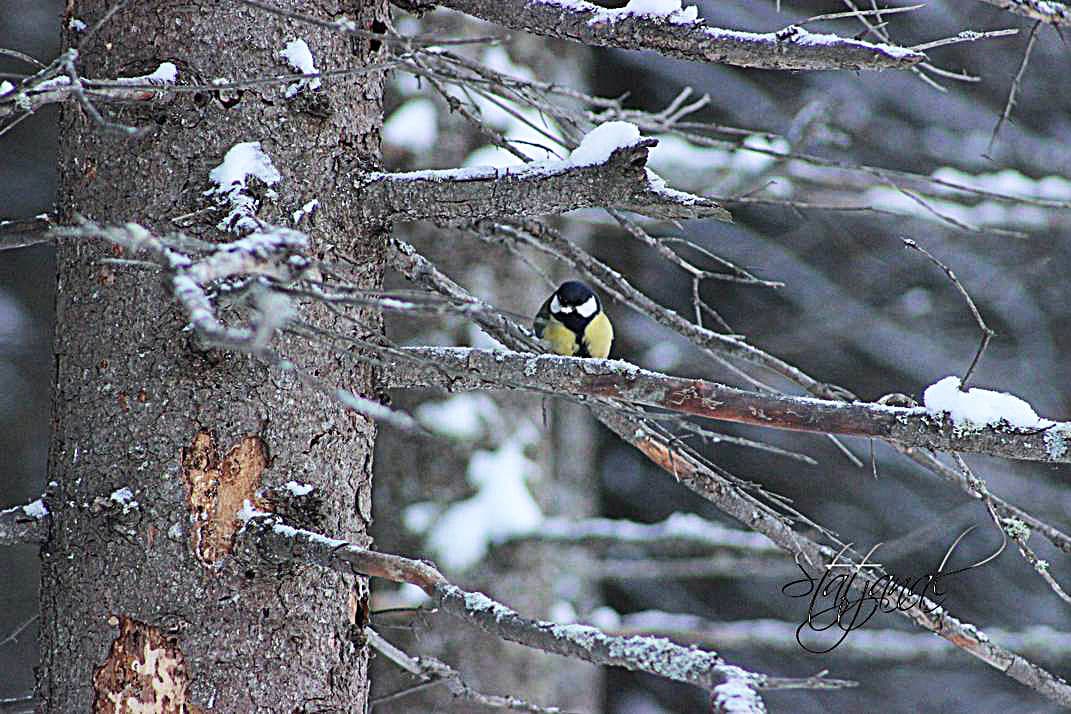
<point>709,482</point>
<point>680,533</point>
<point>791,48</point>
<point>613,379</point>
<point>264,536</point>
<point>24,525</point>
<point>866,644</point>
<point>1050,12</point>
<point>534,189</point>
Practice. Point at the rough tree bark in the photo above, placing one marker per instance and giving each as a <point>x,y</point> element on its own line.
<point>140,601</point>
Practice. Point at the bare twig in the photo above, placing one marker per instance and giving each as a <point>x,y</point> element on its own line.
<point>431,671</point>
<point>987,333</point>
<point>1016,82</point>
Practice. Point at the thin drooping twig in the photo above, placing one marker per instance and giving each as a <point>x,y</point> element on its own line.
<point>432,671</point>
<point>675,36</point>
<point>1011,528</point>
<point>1004,509</point>
<point>266,537</point>
<point>1016,82</point>
<point>987,333</point>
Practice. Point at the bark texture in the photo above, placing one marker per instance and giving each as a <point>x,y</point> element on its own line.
<point>140,599</point>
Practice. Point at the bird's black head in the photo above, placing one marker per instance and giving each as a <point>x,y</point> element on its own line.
<point>574,304</point>
<point>573,293</point>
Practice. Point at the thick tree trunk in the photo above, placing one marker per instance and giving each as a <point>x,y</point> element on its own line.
<point>132,609</point>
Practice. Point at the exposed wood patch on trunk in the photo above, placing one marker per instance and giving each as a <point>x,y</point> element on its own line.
<point>216,490</point>
<point>145,671</point>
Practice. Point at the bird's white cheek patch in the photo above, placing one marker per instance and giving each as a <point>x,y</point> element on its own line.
<point>555,306</point>
<point>588,308</point>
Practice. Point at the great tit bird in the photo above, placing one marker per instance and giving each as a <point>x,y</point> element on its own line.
<point>573,324</point>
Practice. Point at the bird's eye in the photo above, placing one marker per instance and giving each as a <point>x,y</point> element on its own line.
<point>588,308</point>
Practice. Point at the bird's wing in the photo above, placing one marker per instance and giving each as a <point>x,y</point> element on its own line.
<point>542,318</point>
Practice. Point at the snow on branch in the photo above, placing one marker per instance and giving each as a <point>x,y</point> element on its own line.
<point>1050,12</point>
<point>257,267</point>
<point>41,90</point>
<point>608,165</point>
<point>267,537</point>
<point>678,33</point>
<point>614,379</point>
<point>24,525</point>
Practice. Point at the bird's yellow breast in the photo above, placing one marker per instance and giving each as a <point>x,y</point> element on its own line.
<point>599,336</point>
<point>561,339</point>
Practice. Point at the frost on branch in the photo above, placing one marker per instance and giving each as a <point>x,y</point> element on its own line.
<point>264,536</point>
<point>1051,12</point>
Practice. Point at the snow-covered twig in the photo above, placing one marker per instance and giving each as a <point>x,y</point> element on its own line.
<point>681,532</point>
<point>25,232</point>
<point>24,525</point>
<point>274,541</point>
<point>258,261</point>
<point>680,34</point>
